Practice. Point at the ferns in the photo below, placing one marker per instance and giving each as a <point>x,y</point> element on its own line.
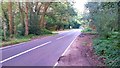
<point>109,49</point>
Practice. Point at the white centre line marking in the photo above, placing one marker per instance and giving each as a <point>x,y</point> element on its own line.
<point>24,52</point>
<point>60,37</point>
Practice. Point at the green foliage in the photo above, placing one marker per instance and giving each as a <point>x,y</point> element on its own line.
<point>61,16</point>
<point>15,41</point>
<point>34,27</point>
<point>41,32</point>
<point>51,22</point>
<point>19,38</point>
<point>87,30</point>
<point>57,17</point>
<point>45,31</point>
<point>104,16</point>
<point>109,49</point>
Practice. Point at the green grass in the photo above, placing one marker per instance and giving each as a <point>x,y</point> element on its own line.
<point>15,41</point>
<point>108,48</point>
<point>20,39</point>
<point>89,31</point>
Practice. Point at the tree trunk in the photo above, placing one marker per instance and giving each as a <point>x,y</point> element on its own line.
<point>26,20</point>
<point>38,12</point>
<point>46,5</point>
<point>22,18</point>
<point>10,19</point>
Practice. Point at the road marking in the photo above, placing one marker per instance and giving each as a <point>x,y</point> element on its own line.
<point>5,47</point>
<point>1,48</point>
<point>55,64</point>
<point>69,46</point>
<point>65,50</point>
<point>11,46</point>
<point>60,37</point>
<point>24,52</point>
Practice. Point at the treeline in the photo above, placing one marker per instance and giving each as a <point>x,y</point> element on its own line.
<point>24,18</point>
<point>106,18</point>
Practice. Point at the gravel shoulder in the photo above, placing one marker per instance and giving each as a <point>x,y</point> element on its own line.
<point>80,53</point>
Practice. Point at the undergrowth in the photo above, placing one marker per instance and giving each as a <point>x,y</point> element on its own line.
<point>108,48</point>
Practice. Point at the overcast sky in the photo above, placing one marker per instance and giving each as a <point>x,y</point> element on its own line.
<point>80,5</point>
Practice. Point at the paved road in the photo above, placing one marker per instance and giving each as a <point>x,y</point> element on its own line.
<point>39,52</point>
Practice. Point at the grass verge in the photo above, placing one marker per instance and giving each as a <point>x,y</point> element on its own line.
<point>21,39</point>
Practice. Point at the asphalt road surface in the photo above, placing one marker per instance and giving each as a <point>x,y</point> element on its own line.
<point>39,52</point>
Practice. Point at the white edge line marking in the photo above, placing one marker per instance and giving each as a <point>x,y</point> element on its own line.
<point>69,46</point>
<point>24,52</point>
<point>11,45</point>
<point>65,51</point>
<point>55,64</point>
<point>5,47</point>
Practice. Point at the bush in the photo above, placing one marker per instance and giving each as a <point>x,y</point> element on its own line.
<point>109,49</point>
<point>0,38</point>
<point>45,31</point>
<point>87,30</point>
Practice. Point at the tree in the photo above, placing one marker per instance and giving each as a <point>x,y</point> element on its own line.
<point>10,19</point>
<point>59,15</point>
<point>104,13</point>
<point>26,18</point>
<point>44,10</point>
<point>105,16</point>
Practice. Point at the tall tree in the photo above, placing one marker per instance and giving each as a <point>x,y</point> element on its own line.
<point>3,22</point>
<point>22,17</point>
<point>26,19</point>
<point>10,19</point>
<point>45,7</point>
<point>105,16</point>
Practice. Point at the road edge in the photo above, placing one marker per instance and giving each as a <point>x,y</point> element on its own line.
<point>66,50</point>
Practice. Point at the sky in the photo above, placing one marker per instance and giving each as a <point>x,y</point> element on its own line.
<point>79,5</point>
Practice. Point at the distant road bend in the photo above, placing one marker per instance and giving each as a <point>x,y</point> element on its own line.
<point>39,52</point>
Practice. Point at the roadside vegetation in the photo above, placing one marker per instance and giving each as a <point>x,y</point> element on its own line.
<point>20,21</point>
<point>23,21</point>
<point>20,39</point>
<point>103,18</point>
